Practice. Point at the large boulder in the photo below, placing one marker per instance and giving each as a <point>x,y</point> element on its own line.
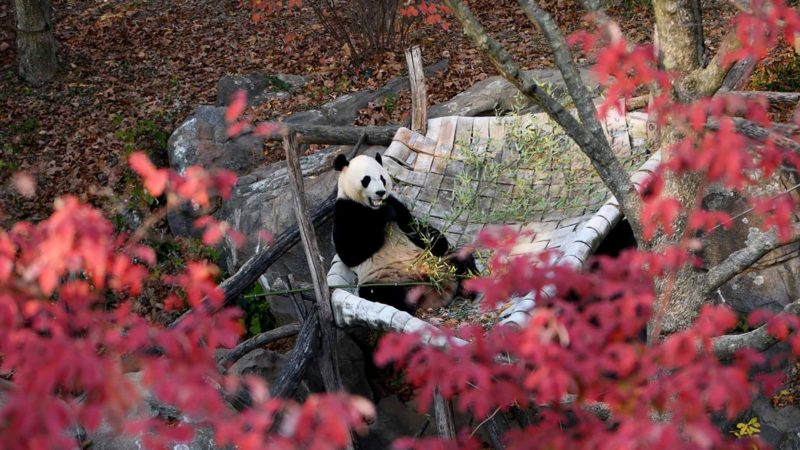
<point>203,140</point>
<point>780,427</point>
<point>106,438</point>
<point>770,283</point>
<point>394,419</point>
<point>263,363</point>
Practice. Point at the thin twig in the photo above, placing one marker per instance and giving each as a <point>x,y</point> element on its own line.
<point>477,427</point>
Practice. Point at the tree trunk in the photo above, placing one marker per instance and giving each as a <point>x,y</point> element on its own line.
<point>680,34</point>
<point>36,46</point>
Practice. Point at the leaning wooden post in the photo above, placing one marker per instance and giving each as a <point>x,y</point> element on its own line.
<point>442,409</point>
<point>419,101</point>
<point>328,362</point>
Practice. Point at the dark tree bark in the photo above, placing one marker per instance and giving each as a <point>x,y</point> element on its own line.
<point>36,46</point>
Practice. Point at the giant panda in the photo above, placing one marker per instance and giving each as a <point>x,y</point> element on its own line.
<point>376,236</point>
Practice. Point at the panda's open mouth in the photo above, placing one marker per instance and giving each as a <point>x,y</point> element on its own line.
<point>376,202</point>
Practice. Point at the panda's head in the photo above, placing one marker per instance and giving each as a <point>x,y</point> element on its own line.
<point>363,180</point>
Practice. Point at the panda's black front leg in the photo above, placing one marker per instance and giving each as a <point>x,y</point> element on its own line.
<point>423,236</point>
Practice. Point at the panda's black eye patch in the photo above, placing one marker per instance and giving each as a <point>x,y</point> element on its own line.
<point>383,180</point>
<point>365,181</point>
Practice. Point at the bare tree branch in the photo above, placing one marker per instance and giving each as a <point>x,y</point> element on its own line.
<point>759,339</point>
<point>757,246</point>
<point>774,98</point>
<point>737,76</point>
<point>259,340</point>
<point>603,159</point>
<point>569,71</point>
<point>705,81</point>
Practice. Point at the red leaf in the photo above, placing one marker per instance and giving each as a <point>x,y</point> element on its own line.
<point>235,129</point>
<point>25,184</point>
<point>141,164</point>
<point>237,106</point>
<point>156,182</point>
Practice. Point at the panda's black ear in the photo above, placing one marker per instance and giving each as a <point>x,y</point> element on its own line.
<point>378,158</point>
<point>340,163</point>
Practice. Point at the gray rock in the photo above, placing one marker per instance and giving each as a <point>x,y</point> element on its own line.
<point>496,94</point>
<point>260,87</point>
<point>394,420</point>
<point>202,140</point>
<point>260,362</point>
<point>769,284</point>
<point>106,438</point>
<point>780,427</point>
<point>775,423</point>
<point>351,366</point>
<point>265,202</point>
<point>790,441</point>
<point>308,117</point>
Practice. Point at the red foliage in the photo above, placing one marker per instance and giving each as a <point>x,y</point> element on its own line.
<point>65,348</point>
<point>591,348</point>
<point>69,334</point>
<point>584,338</point>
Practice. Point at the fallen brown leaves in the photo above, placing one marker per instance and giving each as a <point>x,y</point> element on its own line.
<point>132,71</point>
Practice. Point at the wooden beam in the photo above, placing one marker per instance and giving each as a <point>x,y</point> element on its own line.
<point>419,101</point>
<point>442,408</point>
<point>328,361</point>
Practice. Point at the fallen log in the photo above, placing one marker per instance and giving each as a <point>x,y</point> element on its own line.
<point>258,341</point>
<point>304,351</point>
<point>774,98</point>
<point>328,135</point>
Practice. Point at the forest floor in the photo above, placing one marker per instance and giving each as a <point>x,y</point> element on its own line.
<point>133,70</point>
